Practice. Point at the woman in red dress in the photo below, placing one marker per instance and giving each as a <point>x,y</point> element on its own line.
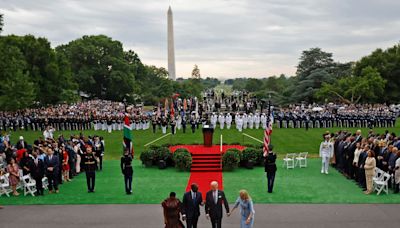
<point>65,165</point>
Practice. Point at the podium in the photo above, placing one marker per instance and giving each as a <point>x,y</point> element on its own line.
<point>208,135</point>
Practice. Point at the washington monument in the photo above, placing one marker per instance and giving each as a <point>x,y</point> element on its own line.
<point>171,46</point>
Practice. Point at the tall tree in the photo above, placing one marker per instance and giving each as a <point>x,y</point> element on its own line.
<point>315,68</point>
<point>44,67</point>
<point>387,63</point>
<point>196,72</point>
<point>101,67</point>
<point>17,92</point>
<point>366,88</point>
<point>16,87</point>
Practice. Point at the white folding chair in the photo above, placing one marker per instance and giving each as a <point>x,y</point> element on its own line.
<point>45,183</point>
<point>5,185</point>
<point>29,185</point>
<point>289,160</point>
<point>378,175</point>
<point>382,184</point>
<point>301,159</point>
<point>20,184</point>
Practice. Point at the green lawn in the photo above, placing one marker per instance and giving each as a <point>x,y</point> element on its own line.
<point>152,185</point>
<point>284,140</point>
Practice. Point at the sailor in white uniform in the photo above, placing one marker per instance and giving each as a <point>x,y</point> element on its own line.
<point>326,152</point>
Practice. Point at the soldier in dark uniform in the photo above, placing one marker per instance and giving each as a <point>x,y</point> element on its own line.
<point>173,125</point>
<point>154,122</point>
<point>89,160</point>
<point>184,122</point>
<point>193,123</point>
<point>270,167</point>
<point>127,170</point>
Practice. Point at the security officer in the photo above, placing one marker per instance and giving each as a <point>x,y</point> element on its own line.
<point>127,170</point>
<point>270,167</point>
<point>90,168</point>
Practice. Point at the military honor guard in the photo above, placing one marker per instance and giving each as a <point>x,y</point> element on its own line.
<point>89,160</point>
<point>270,167</point>
<point>127,171</point>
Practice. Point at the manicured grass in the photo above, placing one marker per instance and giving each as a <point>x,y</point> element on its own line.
<point>151,186</point>
<point>284,140</point>
<point>305,185</point>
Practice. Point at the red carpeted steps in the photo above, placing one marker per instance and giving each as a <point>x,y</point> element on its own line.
<point>206,165</point>
<point>206,162</point>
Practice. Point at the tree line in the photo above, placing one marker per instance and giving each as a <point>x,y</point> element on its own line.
<point>319,78</point>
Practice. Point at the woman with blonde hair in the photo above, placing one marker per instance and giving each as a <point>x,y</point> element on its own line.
<point>246,209</point>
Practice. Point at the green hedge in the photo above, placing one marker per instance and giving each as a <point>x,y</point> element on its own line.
<point>182,159</point>
<point>231,159</point>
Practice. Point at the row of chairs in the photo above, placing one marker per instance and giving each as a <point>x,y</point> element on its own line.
<point>27,183</point>
<point>292,160</point>
<point>381,181</point>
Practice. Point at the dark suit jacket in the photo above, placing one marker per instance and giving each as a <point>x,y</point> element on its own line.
<point>190,207</point>
<point>54,162</point>
<point>215,210</point>
<point>38,170</point>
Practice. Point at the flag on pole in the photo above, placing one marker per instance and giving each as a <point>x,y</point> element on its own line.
<point>159,111</point>
<point>184,105</point>
<point>172,110</point>
<point>127,142</point>
<point>166,107</point>
<point>268,131</point>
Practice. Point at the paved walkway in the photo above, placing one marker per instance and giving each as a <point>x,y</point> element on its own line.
<point>143,216</point>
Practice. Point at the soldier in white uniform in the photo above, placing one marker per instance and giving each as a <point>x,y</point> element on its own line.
<point>257,120</point>
<point>236,120</point>
<point>239,123</point>
<point>221,120</point>
<point>251,120</point>
<point>228,120</point>
<point>326,152</point>
<point>213,120</point>
<point>245,119</point>
<point>179,122</point>
<point>263,119</point>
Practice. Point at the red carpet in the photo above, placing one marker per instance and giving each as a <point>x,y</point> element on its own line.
<point>206,165</point>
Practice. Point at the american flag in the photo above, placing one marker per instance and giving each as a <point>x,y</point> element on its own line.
<point>268,131</point>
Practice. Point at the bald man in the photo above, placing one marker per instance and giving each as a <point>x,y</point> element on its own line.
<point>214,201</point>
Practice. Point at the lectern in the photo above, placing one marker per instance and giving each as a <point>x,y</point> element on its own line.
<point>208,135</point>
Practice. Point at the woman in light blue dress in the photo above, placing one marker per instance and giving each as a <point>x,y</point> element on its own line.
<point>246,209</point>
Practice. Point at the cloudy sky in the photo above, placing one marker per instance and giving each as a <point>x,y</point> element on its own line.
<point>226,38</point>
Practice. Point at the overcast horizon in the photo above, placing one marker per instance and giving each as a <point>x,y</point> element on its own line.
<point>225,38</point>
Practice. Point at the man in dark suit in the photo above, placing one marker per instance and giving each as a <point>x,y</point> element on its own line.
<point>214,201</point>
<point>361,163</point>
<point>190,206</point>
<point>37,171</point>
<point>51,164</point>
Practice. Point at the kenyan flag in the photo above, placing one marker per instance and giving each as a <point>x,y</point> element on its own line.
<point>128,135</point>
